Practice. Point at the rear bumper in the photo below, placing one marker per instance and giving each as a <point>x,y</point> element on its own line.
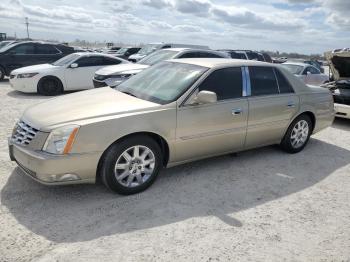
<point>342,111</point>
<point>52,169</point>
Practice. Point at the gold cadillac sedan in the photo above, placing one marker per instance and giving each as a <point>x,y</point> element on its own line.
<point>174,112</point>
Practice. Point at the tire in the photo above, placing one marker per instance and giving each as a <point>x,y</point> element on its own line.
<point>50,86</point>
<point>297,135</point>
<point>2,73</point>
<point>133,175</point>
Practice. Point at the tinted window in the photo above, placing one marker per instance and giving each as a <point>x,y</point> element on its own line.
<point>90,61</point>
<point>235,55</point>
<point>46,50</point>
<point>24,49</point>
<point>284,85</point>
<point>226,83</point>
<point>263,81</point>
<point>210,55</point>
<point>191,55</point>
<point>110,61</point>
<point>312,70</point>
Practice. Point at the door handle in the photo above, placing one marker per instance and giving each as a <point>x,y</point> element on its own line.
<point>291,104</point>
<point>237,111</point>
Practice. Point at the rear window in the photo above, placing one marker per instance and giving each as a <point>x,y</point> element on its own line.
<point>263,81</point>
<point>284,85</point>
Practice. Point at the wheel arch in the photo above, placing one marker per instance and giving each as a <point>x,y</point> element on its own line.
<point>50,76</point>
<point>310,114</point>
<point>161,141</point>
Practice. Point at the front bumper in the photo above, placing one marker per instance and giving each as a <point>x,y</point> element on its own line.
<point>25,85</point>
<point>52,169</point>
<point>342,110</point>
<point>98,84</point>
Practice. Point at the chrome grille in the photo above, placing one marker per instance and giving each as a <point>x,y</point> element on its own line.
<point>23,133</point>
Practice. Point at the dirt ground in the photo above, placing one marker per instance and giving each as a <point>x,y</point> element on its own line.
<point>261,205</point>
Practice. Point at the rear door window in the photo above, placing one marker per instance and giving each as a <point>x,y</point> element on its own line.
<point>226,83</point>
<point>283,83</point>
<point>263,81</point>
<point>90,61</point>
<point>46,50</point>
<point>110,61</point>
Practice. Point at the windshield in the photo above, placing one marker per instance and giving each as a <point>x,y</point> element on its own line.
<point>294,69</point>
<point>122,51</point>
<point>66,60</point>
<point>158,57</point>
<point>163,83</point>
<point>6,47</point>
<point>4,43</point>
<point>147,49</point>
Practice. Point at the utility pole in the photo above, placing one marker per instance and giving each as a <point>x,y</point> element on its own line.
<point>27,24</point>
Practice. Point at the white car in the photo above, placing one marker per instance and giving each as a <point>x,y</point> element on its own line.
<point>114,75</point>
<point>72,72</point>
<point>309,74</point>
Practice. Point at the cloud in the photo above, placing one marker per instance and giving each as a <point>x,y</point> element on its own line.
<point>159,4</point>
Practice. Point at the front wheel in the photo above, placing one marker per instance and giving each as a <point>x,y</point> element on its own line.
<point>297,135</point>
<point>131,165</point>
<point>50,86</point>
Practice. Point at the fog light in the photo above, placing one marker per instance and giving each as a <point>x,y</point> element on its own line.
<point>64,177</point>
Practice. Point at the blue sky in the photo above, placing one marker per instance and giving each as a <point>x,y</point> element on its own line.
<point>305,26</point>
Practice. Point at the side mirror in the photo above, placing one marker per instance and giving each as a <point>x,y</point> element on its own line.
<point>205,97</point>
<point>308,73</point>
<point>74,65</point>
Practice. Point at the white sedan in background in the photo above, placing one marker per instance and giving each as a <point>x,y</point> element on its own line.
<point>72,72</point>
<point>309,74</point>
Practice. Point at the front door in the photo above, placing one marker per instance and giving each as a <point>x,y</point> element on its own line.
<point>213,128</point>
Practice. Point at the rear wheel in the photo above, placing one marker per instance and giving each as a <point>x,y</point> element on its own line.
<point>50,86</point>
<point>131,165</point>
<point>297,135</point>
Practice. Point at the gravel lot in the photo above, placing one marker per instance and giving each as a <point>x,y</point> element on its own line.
<point>261,205</point>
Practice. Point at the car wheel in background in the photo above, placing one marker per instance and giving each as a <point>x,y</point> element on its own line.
<point>2,73</point>
<point>50,86</point>
<point>131,165</point>
<point>297,135</point>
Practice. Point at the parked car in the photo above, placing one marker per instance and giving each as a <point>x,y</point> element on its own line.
<point>72,72</point>
<point>174,112</point>
<point>6,43</point>
<point>307,73</point>
<point>114,75</point>
<point>150,48</point>
<point>248,55</point>
<point>125,52</point>
<point>30,53</point>
<point>339,63</point>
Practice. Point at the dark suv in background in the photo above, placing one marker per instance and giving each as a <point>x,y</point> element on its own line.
<point>30,53</point>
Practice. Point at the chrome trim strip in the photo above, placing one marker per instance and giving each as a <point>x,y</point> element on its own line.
<point>214,133</point>
<point>248,88</point>
<point>244,80</point>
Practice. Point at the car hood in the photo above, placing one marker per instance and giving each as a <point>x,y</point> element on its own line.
<point>339,63</point>
<point>117,69</point>
<point>34,69</point>
<point>84,105</point>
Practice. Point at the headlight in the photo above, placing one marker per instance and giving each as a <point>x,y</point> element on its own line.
<point>26,75</point>
<point>60,140</point>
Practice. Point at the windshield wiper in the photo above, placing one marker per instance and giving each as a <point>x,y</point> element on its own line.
<point>128,93</point>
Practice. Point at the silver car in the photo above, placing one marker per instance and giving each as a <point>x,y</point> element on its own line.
<point>172,113</point>
<point>309,74</point>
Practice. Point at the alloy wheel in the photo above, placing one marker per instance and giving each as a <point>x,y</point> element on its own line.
<point>299,134</point>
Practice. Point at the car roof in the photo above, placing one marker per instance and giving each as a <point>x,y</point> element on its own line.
<point>214,62</point>
<point>95,54</point>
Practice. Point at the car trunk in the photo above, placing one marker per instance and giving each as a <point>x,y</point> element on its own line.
<point>339,64</point>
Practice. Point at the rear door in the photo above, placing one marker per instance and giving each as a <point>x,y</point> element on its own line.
<point>213,128</point>
<point>272,104</point>
<point>46,53</point>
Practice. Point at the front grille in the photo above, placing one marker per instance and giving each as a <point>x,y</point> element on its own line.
<point>12,76</point>
<point>23,133</point>
<point>98,84</point>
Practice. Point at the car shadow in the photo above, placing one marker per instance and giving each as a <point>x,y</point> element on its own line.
<point>341,123</point>
<point>216,187</point>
